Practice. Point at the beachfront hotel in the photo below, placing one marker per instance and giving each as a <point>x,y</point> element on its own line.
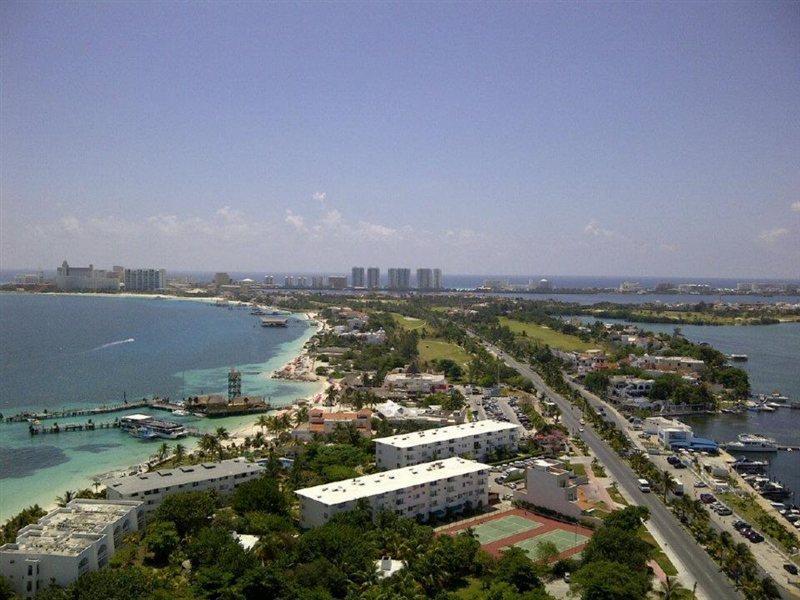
<point>475,440</point>
<point>419,491</point>
<point>151,488</point>
<point>86,279</point>
<point>68,542</point>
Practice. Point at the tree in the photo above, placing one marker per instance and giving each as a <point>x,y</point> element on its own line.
<point>262,494</point>
<point>546,552</point>
<point>603,579</point>
<point>163,452</point>
<point>671,589</point>
<point>262,421</point>
<point>516,568</point>
<point>222,434</point>
<point>180,452</point>
<point>114,584</point>
<point>65,498</point>
<point>161,540</point>
<point>187,510</point>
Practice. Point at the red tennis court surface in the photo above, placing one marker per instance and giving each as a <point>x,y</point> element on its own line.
<point>525,530</point>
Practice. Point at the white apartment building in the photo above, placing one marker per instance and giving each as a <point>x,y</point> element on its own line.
<point>549,485</point>
<point>73,279</point>
<point>419,491</point>
<point>68,542</point>
<point>373,278</point>
<point>475,440</point>
<point>151,488</point>
<point>144,280</point>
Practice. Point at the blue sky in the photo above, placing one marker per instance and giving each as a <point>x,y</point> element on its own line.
<point>582,139</point>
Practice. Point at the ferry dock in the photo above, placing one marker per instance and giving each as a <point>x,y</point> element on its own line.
<point>77,412</point>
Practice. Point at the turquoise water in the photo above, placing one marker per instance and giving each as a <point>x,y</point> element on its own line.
<point>60,351</point>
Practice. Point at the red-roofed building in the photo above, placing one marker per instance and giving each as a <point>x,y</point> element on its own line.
<point>324,422</point>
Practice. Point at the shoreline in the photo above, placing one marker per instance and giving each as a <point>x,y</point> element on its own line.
<point>84,475</point>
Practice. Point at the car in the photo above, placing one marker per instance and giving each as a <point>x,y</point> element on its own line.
<point>724,511</point>
<point>755,537</point>
<point>567,577</point>
<point>790,568</point>
<point>673,460</point>
<point>700,484</point>
<point>741,525</point>
<point>707,498</point>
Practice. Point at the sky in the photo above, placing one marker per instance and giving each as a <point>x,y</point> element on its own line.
<point>633,139</point>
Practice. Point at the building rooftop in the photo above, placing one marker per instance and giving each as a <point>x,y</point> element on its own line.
<point>452,432</point>
<point>169,477</point>
<point>68,531</point>
<point>389,481</point>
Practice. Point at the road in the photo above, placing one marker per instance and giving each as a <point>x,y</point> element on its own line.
<point>711,582</point>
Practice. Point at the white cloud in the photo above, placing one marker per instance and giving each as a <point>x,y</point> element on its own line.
<point>593,228</point>
<point>375,231</point>
<point>295,220</point>
<point>319,196</point>
<point>770,236</point>
<point>71,224</point>
<point>795,206</point>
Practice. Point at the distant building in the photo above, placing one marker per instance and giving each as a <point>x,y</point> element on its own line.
<point>475,440</point>
<point>151,488</point>
<point>438,283</point>
<point>630,286</point>
<point>317,282</point>
<point>288,282</point>
<point>144,280</point>
<point>694,288</point>
<point>67,543</point>
<point>221,279</point>
<point>424,279</point>
<point>416,382</point>
<point>545,284</point>
<point>302,282</point>
<point>399,279</point>
<point>337,282</point>
<point>357,277</point>
<point>87,279</point>
<point>269,281</point>
<point>420,491</point>
<point>373,278</point>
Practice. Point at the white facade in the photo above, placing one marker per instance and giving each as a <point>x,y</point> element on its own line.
<point>399,278</point>
<point>151,488</point>
<point>144,280</point>
<point>419,491</point>
<point>551,486</point>
<point>73,279</point>
<point>669,431</point>
<point>67,542</point>
<point>475,440</point>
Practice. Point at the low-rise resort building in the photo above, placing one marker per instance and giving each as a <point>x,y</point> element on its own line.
<point>151,488</point>
<point>68,542</point>
<point>420,491</point>
<point>475,440</point>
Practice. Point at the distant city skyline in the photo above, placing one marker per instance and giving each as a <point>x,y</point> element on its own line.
<point>597,140</point>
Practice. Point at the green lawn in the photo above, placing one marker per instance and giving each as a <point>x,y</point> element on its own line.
<point>432,349</point>
<point>554,339</point>
<point>409,323</point>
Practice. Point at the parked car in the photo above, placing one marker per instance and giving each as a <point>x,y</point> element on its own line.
<point>790,568</point>
<point>707,498</point>
<point>700,484</point>
<point>755,537</point>
<point>740,525</point>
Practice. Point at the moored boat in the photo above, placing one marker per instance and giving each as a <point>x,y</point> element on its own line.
<point>746,442</point>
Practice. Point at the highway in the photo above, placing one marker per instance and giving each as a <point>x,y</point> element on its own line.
<point>711,582</point>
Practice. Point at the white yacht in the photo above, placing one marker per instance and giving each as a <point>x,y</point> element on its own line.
<point>746,442</point>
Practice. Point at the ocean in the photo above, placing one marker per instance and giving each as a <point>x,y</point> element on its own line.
<point>61,351</point>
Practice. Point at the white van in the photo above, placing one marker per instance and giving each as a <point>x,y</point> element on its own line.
<point>644,485</point>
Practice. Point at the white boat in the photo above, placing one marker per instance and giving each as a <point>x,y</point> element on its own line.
<point>746,442</point>
<point>179,412</point>
<point>738,357</point>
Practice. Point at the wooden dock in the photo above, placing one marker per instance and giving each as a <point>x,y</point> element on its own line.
<point>69,427</point>
<point>77,412</point>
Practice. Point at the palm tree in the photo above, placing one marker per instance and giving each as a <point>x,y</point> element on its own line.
<point>671,589</point>
<point>263,422</point>
<point>259,440</point>
<point>163,452</point>
<point>66,498</point>
<point>222,433</point>
<point>330,395</point>
<point>208,444</point>
<point>666,480</point>
<point>285,421</point>
<point>301,416</point>
<point>180,452</point>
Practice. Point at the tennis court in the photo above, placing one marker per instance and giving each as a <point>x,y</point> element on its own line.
<point>563,540</point>
<point>498,529</point>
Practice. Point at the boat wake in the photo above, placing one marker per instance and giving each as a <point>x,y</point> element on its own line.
<point>110,344</point>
